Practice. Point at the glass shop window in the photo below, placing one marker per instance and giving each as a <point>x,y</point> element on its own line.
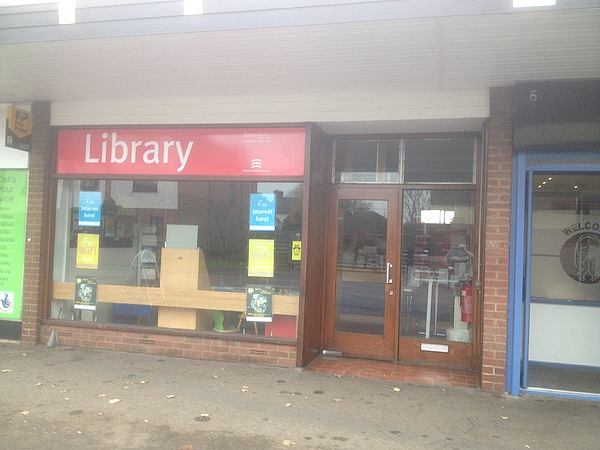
<point>367,161</point>
<point>439,160</point>
<point>449,160</point>
<point>197,255</point>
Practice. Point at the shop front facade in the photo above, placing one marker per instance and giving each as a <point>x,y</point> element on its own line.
<point>277,229</point>
<point>202,229</point>
<point>392,248</point>
<point>269,244</point>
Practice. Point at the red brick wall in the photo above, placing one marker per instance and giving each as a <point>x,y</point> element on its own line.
<point>194,347</point>
<point>39,179</point>
<point>496,240</point>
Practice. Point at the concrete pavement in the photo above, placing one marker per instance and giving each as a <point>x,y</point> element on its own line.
<point>73,398</point>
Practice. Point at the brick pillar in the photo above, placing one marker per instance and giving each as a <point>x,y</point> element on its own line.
<point>35,235</point>
<point>496,239</point>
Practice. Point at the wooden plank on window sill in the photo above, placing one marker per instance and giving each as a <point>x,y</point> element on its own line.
<point>286,305</point>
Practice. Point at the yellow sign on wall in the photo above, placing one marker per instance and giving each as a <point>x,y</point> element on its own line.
<point>87,251</point>
<point>19,127</point>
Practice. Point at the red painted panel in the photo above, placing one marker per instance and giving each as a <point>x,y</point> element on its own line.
<point>244,152</point>
<point>282,326</point>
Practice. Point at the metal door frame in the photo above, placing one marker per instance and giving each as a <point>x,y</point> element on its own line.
<point>524,165</point>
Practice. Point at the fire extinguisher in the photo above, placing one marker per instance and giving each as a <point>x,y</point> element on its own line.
<point>466,303</point>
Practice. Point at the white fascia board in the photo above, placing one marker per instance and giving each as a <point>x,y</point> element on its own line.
<point>373,108</point>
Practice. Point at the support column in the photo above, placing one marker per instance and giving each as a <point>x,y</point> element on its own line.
<point>35,231</point>
<point>497,239</point>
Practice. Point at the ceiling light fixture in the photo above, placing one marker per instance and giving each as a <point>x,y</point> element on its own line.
<point>532,3</point>
<point>66,12</point>
<point>193,7</point>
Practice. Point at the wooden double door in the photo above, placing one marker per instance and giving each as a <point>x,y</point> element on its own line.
<point>384,299</point>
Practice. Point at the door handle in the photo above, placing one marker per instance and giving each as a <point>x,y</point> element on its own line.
<point>388,280</point>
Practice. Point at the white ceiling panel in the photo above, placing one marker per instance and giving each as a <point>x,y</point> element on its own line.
<point>424,53</point>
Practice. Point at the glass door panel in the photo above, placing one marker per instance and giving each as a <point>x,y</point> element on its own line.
<point>563,308</point>
<point>361,266</point>
<point>360,316</point>
<point>437,265</point>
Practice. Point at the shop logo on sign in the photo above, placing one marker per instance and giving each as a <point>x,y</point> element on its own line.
<point>7,302</point>
<point>580,257</point>
<point>256,166</point>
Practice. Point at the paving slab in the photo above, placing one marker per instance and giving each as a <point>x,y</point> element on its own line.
<point>76,398</point>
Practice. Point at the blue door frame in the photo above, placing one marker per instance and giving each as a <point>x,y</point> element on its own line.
<point>524,165</point>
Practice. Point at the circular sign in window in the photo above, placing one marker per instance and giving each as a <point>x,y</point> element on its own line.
<point>580,257</point>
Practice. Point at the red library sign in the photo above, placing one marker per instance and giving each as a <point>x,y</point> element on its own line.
<point>182,151</point>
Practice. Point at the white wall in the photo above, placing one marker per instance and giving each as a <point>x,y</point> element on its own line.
<point>565,334</point>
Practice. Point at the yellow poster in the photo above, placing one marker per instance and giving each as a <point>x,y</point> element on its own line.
<point>19,125</point>
<point>261,257</point>
<point>87,251</point>
<point>296,250</point>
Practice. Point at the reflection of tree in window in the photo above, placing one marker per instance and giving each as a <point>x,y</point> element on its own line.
<point>293,221</point>
<point>362,224</point>
<point>414,203</point>
<point>89,185</point>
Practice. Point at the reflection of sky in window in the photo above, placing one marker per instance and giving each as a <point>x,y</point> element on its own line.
<point>380,207</point>
<point>437,216</point>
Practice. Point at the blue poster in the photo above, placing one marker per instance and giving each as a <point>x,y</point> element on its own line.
<point>262,212</point>
<point>89,209</point>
